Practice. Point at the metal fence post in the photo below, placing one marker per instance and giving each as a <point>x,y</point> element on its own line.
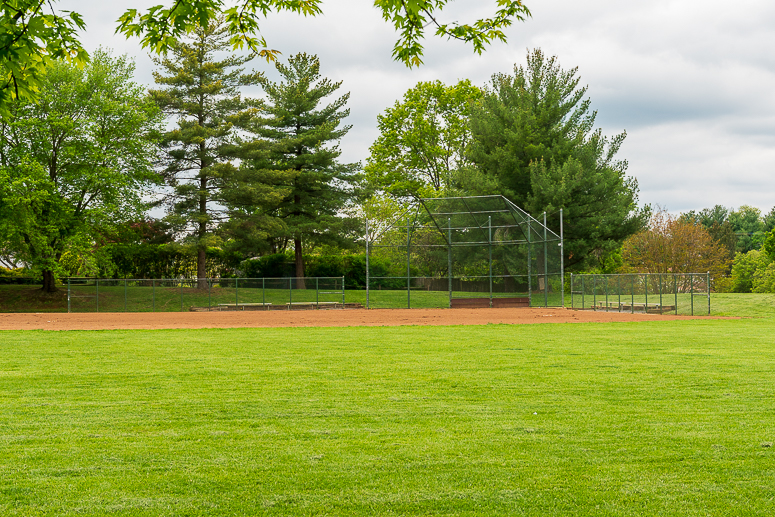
<point>449,259</point>
<point>619,291</point>
<point>675,290</point>
<point>691,290</point>
<point>317,292</point>
<point>209,293</point>
<point>660,294</point>
<point>646,291</point>
<point>68,294</point>
<point>125,295</point>
<point>707,285</point>
<point>343,288</point>
<point>582,292</point>
<point>489,248</point>
<point>263,292</point>
<point>236,292</point>
<point>153,295</point>
<point>632,294</point>
<point>181,295</point>
<point>571,293</point>
<point>367,263</point>
<point>97,284</point>
<point>290,292</point>
<point>562,266</point>
<point>594,292</point>
<point>530,267</point>
<point>546,267</point>
<point>408,270</point>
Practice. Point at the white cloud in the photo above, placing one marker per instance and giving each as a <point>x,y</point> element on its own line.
<point>691,81</point>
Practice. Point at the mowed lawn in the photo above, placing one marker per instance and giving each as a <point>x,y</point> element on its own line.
<point>662,418</point>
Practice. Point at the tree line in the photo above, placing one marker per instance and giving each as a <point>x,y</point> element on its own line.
<point>736,246</point>
<point>252,185</point>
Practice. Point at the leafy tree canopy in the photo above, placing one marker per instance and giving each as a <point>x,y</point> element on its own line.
<point>674,245</point>
<point>32,33</point>
<point>75,162</point>
<point>748,225</point>
<point>423,140</point>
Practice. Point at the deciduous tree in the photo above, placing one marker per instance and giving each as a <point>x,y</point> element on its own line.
<point>423,140</point>
<point>674,245</point>
<point>716,221</point>
<point>32,33</point>
<point>749,227</point>
<point>76,161</point>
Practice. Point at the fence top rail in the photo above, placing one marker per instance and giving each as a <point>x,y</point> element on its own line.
<point>638,274</point>
<point>194,279</point>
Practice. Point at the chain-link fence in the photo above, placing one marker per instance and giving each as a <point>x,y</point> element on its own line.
<point>480,251</point>
<point>220,294</point>
<point>668,293</point>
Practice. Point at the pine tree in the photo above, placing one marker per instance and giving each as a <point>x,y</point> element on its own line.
<point>533,140</point>
<point>204,94</point>
<point>304,137</point>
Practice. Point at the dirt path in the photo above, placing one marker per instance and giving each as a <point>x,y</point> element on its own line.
<point>313,318</point>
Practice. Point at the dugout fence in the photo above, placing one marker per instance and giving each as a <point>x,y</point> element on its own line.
<point>657,293</point>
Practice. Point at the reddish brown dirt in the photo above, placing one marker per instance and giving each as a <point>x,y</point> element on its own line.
<point>321,318</point>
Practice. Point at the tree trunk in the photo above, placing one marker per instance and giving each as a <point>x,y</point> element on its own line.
<point>201,252</point>
<point>49,282</point>
<point>201,268</point>
<point>299,264</point>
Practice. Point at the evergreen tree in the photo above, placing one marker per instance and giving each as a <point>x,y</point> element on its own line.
<point>304,135</point>
<point>533,140</point>
<point>203,93</point>
<point>716,221</point>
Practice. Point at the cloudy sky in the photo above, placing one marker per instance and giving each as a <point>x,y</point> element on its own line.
<point>692,82</point>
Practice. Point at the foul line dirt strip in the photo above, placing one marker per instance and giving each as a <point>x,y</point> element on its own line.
<point>314,318</point>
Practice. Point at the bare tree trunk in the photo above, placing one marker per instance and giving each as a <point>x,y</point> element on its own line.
<point>201,252</point>
<point>201,269</point>
<point>49,282</point>
<point>299,264</point>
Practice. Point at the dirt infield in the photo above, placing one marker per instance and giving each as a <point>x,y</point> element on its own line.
<point>321,318</point>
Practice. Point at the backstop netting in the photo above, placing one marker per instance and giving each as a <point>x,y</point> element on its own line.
<point>481,251</point>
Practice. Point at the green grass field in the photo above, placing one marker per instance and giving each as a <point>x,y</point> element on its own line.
<point>658,418</point>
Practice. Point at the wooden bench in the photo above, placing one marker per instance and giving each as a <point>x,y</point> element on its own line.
<point>653,308</point>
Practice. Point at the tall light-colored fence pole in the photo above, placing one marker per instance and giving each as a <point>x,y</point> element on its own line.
<point>546,267</point>
<point>449,259</point>
<point>562,265</point>
<point>367,263</point>
<point>408,268</point>
<point>489,248</point>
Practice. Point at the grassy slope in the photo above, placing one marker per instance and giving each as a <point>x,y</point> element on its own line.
<point>668,418</point>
